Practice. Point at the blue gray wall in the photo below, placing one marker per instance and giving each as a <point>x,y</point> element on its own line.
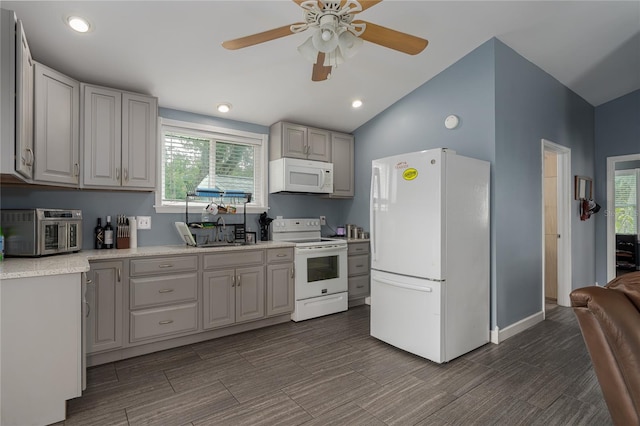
<point>531,105</point>
<point>506,105</point>
<point>617,132</point>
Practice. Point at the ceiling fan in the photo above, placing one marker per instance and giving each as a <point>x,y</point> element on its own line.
<point>337,35</point>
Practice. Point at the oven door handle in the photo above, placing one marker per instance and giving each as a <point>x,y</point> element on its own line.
<point>323,249</point>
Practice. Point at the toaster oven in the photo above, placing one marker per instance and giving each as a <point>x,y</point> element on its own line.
<point>41,232</point>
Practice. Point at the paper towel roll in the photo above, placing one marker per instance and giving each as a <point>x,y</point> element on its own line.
<point>133,232</point>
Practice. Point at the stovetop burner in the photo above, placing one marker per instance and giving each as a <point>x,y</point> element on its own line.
<point>302,232</point>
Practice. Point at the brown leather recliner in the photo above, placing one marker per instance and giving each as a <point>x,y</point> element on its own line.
<point>609,319</point>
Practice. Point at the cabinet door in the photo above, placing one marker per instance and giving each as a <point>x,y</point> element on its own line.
<point>318,145</point>
<point>24,105</point>
<point>139,124</point>
<point>249,293</point>
<point>294,141</point>
<point>219,298</point>
<point>57,114</point>
<point>104,296</point>
<point>343,163</point>
<point>280,298</point>
<point>102,136</point>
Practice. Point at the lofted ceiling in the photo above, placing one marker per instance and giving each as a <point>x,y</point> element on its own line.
<point>172,49</point>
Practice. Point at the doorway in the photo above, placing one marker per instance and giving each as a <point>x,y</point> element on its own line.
<point>618,163</point>
<point>556,224</point>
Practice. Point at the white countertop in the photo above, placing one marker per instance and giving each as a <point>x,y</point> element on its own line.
<point>79,262</point>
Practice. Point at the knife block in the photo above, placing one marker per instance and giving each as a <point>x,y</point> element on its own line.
<point>123,242</point>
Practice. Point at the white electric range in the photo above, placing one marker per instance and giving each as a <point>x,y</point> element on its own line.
<point>320,268</point>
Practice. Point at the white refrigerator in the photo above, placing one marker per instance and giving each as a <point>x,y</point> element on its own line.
<point>429,222</point>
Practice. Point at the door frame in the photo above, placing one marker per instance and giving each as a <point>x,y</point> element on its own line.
<point>564,221</point>
<point>611,224</point>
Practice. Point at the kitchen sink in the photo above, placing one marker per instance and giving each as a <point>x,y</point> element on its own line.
<point>221,244</point>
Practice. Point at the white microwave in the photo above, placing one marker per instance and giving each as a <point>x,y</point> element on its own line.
<point>295,175</point>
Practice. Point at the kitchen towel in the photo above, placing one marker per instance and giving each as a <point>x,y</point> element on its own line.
<point>133,232</point>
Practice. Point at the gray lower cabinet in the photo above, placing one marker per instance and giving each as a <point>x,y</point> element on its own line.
<point>359,270</point>
<point>163,297</point>
<point>280,281</point>
<point>104,296</point>
<point>232,290</point>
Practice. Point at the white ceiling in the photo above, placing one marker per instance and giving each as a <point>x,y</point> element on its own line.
<point>171,49</point>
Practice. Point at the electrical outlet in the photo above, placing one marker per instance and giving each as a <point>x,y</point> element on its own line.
<point>144,222</point>
<point>323,220</point>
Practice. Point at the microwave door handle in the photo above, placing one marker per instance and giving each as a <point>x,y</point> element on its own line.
<point>322,178</point>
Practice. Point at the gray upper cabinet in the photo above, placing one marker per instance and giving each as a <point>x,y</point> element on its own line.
<point>16,102</point>
<point>56,126</point>
<point>119,138</point>
<point>297,141</point>
<point>342,148</point>
<point>24,105</point>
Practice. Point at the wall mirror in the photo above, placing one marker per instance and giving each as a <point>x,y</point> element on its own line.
<point>583,188</point>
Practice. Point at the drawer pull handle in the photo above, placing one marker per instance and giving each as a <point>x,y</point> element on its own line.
<point>281,255</point>
<point>359,266</point>
<point>166,265</point>
<point>166,290</point>
<point>359,249</point>
<point>360,286</point>
<point>165,322</point>
<point>238,282</point>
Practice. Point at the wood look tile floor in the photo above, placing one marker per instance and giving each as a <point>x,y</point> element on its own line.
<point>329,371</point>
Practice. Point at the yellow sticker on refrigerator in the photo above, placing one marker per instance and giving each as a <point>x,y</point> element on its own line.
<point>410,174</point>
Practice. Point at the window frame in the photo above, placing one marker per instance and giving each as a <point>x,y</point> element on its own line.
<point>213,132</point>
<point>636,173</point>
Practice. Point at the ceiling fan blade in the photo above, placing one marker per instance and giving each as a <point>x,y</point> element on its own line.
<point>393,39</point>
<point>258,38</point>
<point>366,4</point>
<point>320,72</point>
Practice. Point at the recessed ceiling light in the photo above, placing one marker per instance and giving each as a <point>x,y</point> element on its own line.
<point>225,107</point>
<point>78,24</point>
<point>356,104</point>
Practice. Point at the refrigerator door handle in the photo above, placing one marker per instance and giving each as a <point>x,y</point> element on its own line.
<point>375,195</point>
<point>404,285</point>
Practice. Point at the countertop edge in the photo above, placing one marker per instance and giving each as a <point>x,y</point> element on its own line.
<point>73,263</point>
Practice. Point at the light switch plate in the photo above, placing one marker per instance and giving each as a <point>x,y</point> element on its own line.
<point>323,220</point>
<point>144,222</point>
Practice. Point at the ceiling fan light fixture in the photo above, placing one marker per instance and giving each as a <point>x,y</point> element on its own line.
<point>308,50</point>
<point>349,44</point>
<point>224,107</point>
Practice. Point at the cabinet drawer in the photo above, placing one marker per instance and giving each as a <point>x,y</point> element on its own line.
<point>359,286</point>
<point>163,265</point>
<point>358,248</point>
<point>358,265</point>
<point>159,290</point>
<point>233,258</point>
<point>280,255</point>
<point>152,323</point>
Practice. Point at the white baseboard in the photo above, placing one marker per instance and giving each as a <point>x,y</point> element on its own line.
<point>499,335</point>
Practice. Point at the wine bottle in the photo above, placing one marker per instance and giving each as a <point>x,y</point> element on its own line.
<point>99,236</point>
<point>108,234</point>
